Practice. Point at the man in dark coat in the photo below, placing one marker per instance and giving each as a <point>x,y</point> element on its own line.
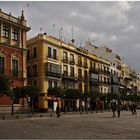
<point>113,107</point>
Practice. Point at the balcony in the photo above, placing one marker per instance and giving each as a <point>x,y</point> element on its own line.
<point>53,74</point>
<point>104,82</point>
<point>104,72</point>
<point>94,81</point>
<point>85,66</point>
<point>80,78</point>
<point>72,62</point>
<point>65,60</point>
<point>79,63</point>
<point>70,76</point>
<point>93,70</point>
<point>52,57</point>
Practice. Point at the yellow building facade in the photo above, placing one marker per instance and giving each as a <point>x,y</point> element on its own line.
<point>52,62</point>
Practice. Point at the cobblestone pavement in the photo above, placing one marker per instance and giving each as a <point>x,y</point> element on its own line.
<point>91,125</point>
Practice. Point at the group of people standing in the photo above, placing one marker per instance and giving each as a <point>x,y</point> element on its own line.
<point>117,107</point>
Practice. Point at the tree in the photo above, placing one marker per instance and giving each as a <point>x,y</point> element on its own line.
<point>5,85</point>
<point>29,91</point>
<point>72,94</point>
<point>56,91</point>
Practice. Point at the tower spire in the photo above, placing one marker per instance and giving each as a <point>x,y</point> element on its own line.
<point>22,15</point>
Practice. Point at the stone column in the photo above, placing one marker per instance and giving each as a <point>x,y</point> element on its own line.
<point>10,39</point>
<point>20,38</point>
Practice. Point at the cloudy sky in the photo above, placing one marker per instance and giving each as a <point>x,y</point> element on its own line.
<point>114,24</point>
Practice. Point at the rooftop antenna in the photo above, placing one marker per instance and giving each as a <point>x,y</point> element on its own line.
<point>72,40</point>
<point>53,30</point>
<point>60,33</point>
<point>41,30</point>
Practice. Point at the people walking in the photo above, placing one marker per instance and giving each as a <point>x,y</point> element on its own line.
<point>133,108</point>
<point>58,110</point>
<point>119,108</point>
<point>113,107</point>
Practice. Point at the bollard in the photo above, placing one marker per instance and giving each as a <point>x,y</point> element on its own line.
<point>17,116</point>
<point>41,115</point>
<point>50,115</point>
<point>29,116</point>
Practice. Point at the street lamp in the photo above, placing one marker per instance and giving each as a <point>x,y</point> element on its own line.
<point>12,97</point>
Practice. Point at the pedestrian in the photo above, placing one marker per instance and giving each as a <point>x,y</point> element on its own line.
<point>58,110</point>
<point>119,108</point>
<point>113,107</point>
<point>134,109</point>
<point>131,107</point>
<point>101,107</point>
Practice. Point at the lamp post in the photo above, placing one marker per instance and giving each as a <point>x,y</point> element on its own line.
<point>12,97</point>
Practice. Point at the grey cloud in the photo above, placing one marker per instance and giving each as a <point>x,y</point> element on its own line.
<point>115,24</point>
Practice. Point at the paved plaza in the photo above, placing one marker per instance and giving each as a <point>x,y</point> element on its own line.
<point>89,126</point>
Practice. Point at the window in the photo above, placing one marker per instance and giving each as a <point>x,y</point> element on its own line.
<point>65,70</point>
<point>55,84</point>
<point>85,88</point>
<point>6,31</point>
<point>85,74</point>
<point>28,71</point>
<point>49,52</point>
<point>72,71</point>
<point>28,55</point>
<point>49,84</point>
<point>80,60</point>
<point>14,67</point>
<point>79,73</point>
<point>104,79</point>
<point>54,54</point>
<point>1,64</point>
<point>53,68</point>
<point>35,52</point>
<point>94,76</point>
<point>85,62</point>
<point>80,87</point>
<point>15,34</point>
<point>34,70</point>
<point>65,57</point>
<point>71,57</point>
